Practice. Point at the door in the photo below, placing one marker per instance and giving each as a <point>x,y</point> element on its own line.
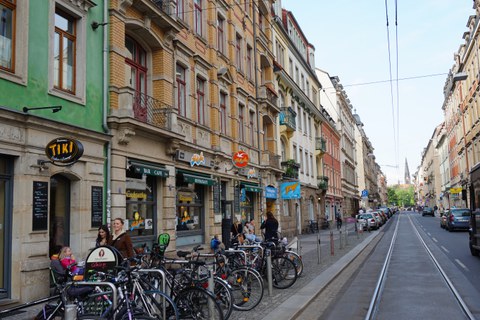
<point>59,213</point>
<point>6,165</point>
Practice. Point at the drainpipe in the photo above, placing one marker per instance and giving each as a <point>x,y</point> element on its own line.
<point>108,145</point>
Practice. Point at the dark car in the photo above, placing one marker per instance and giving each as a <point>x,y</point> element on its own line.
<point>474,233</point>
<point>427,211</point>
<point>458,219</point>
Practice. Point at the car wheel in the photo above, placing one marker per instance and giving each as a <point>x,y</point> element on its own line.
<point>450,229</point>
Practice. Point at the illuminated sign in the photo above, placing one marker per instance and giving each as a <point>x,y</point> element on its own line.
<point>64,151</point>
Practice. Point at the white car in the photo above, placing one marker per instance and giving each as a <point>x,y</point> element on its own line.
<point>367,220</point>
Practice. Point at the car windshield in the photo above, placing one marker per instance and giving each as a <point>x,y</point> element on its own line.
<point>461,213</point>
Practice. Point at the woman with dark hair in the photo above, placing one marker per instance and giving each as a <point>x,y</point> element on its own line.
<point>121,240</point>
<point>103,236</point>
<point>270,224</point>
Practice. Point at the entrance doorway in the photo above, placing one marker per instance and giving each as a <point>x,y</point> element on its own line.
<point>6,171</point>
<point>59,213</point>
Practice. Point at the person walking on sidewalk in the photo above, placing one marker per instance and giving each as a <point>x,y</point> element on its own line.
<point>339,222</point>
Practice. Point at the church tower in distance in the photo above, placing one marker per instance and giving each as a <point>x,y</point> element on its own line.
<point>407,173</point>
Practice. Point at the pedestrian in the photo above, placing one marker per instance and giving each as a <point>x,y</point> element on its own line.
<point>103,236</point>
<point>237,231</point>
<point>121,240</point>
<point>270,224</point>
<point>339,222</point>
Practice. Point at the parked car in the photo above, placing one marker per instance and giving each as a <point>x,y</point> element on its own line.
<point>379,218</point>
<point>458,218</point>
<point>367,220</point>
<point>474,233</point>
<point>428,211</point>
<point>443,219</point>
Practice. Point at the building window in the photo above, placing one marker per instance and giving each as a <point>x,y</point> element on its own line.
<point>136,60</point>
<point>223,113</point>
<point>261,22</point>
<point>252,128</point>
<point>241,123</point>
<point>201,101</point>
<point>180,11</point>
<point>220,34</point>
<point>280,54</point>
<point>7,32</point>
<point>64,52</point>
<point>249,62</point>
<point>198,17</point>
<point>238,52</point>
<point>181,91</point>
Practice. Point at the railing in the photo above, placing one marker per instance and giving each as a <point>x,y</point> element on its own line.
<point>267,94</point>
<point>322,182</point>
<point>167,6</point>
<point>271,159</point>
<point>291,169</point>
<point>152,111</point>
<point>321,144</point>
<point>287,118</point>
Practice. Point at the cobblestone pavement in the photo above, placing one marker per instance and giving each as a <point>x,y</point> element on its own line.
<point>308,248</point>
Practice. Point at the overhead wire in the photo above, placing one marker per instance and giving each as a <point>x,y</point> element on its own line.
<point>397,151</point>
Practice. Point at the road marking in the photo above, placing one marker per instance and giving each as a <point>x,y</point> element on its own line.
<point>461,264</point>
<point>434,239</point>
<point>429,234</point>
<point>445,249</point>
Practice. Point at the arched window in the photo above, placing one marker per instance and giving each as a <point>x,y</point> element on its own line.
<point>137,63</point>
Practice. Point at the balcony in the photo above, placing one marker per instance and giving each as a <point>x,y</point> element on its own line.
<point>162,12</point>
<point>321,145</point>
<point>152,111</point>
<point>287,118</point>
<point>322,182</point>
<point>267,94</point>
<point>270,159</point>
<point>290,168</point>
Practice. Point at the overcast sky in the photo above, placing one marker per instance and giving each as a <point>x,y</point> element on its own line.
<point>351,41</point>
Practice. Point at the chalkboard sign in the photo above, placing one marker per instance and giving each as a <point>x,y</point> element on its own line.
<point>97,207</point>
<point>217,191</point>
<point>40,206</point>
<point>236,200</point>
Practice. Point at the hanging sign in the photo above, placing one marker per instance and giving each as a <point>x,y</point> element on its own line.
<point>290,190</point>
<point>240,159</point>
<point>64,151</point>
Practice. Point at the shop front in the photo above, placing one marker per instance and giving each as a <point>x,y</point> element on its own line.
<point>193,190</point>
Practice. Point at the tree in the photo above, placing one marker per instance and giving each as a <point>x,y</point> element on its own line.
<point>401,195</point>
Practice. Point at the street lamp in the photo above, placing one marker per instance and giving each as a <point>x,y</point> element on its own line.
<point>54,109</point>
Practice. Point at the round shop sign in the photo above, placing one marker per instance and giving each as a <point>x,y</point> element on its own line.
<point>240,159</point>
<point>64,151</point>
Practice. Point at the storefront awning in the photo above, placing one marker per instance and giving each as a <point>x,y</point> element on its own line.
<point>193,178</point>
<point>148,169</point>
<point>251,188</point>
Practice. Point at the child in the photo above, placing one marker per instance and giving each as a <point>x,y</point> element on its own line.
<point>215,243</point>
<point>66,259</point>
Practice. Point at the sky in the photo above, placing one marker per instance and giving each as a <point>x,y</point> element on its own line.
<point>352,41</point>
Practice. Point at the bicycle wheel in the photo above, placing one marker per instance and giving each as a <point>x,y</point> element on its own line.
<point>157,305</point>
<point>247,288</point>
<point>95,304</point>
<point>284,273</point>
<point>223,296</point>
<point>297,260</point>
<point>197,303</point>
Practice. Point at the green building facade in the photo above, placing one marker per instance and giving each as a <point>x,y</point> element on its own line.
<point>53,139</point>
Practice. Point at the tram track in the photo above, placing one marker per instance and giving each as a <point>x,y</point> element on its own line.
<point>375,303</point>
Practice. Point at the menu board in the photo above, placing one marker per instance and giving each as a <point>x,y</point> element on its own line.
<point>97,207</point>
<point>236,200</point>
<point>40,206</point>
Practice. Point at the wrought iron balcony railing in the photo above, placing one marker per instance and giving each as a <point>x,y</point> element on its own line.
<point>152,111</point>
<point>290,168</point>
<point>321,144</point>
<point>287,118</point>
<point>322,182</point>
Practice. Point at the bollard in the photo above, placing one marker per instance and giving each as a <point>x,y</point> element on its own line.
<point>318,248</point>
<point>340,238</point>
<point>211,288</point>
<point>70,312</point>
<point>332,245</point>
<point>268,253</point>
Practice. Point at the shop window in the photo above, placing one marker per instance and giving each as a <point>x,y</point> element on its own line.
<point>140,204</point>
<point>189,208</point>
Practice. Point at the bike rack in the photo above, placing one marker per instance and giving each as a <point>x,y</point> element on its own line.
<point>162,274</point>
<point>90,284</point>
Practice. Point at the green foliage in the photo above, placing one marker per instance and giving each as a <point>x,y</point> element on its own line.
<point>401,196</point>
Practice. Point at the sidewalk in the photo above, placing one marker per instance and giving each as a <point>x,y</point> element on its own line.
<point>285,303</point>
